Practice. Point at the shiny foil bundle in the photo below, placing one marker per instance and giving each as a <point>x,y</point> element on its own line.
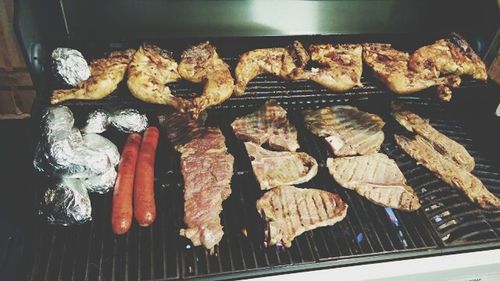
<point>129,120</point>
<point>70,66</point>
<point>97,122</point>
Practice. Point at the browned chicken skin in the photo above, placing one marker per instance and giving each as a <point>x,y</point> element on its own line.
<point>105,75</point>
<point>392,68</point>
<point>342,67</point>
<point>201,64</point>
<point>151,68</point>
<point>277,61</point>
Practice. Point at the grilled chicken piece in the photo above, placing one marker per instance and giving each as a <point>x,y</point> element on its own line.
<point>342,67</point>
<point>201,64</point>
<point>151,68</point>
<point>449,56</point>
<point>277,61</point>
<point>449,148</point>
<point>272,168</point>
<point>424,153</point>
<point>346,129</point>
<point>291,211</point>
<point>376,177</point>
<point>105,75</point>
<point>268,125</point>
<point>207,169</point>
<point>391,67</point>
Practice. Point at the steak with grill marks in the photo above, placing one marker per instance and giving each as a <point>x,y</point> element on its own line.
<point>290,211</point>
<point>376,177</point>
<point>207,169</point>
<point>276,168</point>
<point>268,125</point>
<point>346,129</point>
<point>422,151</point>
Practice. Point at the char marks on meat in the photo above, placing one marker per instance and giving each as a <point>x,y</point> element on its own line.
<point>290,211</point>
<point>422,151</point>
<point>277,168</point>
<point>447,147</point>
<point>376,177</point>
<point>207,168</point>
<point>347,130</point>
<point>268,125</point>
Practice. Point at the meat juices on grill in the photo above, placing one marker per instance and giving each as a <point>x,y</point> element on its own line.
<point>290,211</point>
<point>342,67</point>
<point>151,68</point>
<point>424,153</point>
<point>268,125</point>
<point>277,168</point>
<point>207,169</point>
<point>277,61</point>
<point>346,129</point>
<point>447,147</point>
<point>202,64</point>
<point>105,75</point>
<point>376,177</point>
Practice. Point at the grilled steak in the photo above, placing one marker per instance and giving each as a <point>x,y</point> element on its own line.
<point>274,168</point>
<point>267,125</point>
<point>454,175</point>
<point>290,211</point>
<point>447,147</point>
<point>376,177</point>
<point>207,168</point>
<point>347,130</point>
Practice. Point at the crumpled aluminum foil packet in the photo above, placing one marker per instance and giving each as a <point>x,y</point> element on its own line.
<point>129,120</point>
<point>70,66</point>
<point>102,183</point>
<point>97,122</point>
<point>66,202</point>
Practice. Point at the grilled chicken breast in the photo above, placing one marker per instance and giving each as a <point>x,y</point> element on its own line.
<point>151,68</point>
<point>291,211</point>
<point>105,75</point>
<point>392,68</point>
<point>202,64</point>
<point>449,56</point>
<point>268,125</point>
<point>277,61</point>
<point>277,168</point>
<point>375,177</point>
<point>447,147</point>
<point>342,67</point>
<point>346,129</point>
<point>424,153</point>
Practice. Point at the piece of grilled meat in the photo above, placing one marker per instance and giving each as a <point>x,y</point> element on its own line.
<point>202,64</point>
<point>424,153</point>
<point>449,56</point>
<point>392,68</point>
<point>105,75</point>
<point>277,61</point>
<point>346,129</point>
<point>291,211</point>
<point>342,70</point>
<point>376,177</point>
<point>447,147</point>
<point>151,68</point>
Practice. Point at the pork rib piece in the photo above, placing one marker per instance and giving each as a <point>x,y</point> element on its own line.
<point>207,169</point>
<point>290,211</point>
<point>454,175</point>
<point>346,129</point>
<point>277,168</point>
<point>268,125</point>
<point>376,177</point>
<point>447,147</point>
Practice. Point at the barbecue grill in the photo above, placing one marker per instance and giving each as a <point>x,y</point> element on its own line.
<point>446,224</point>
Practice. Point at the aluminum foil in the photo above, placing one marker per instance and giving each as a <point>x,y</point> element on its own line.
<point>101,183</point>
<point>97,122</point>
<point>66,202</point>
<point>103,145</point>
<point>129,120</point>
<point>70,66</point>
